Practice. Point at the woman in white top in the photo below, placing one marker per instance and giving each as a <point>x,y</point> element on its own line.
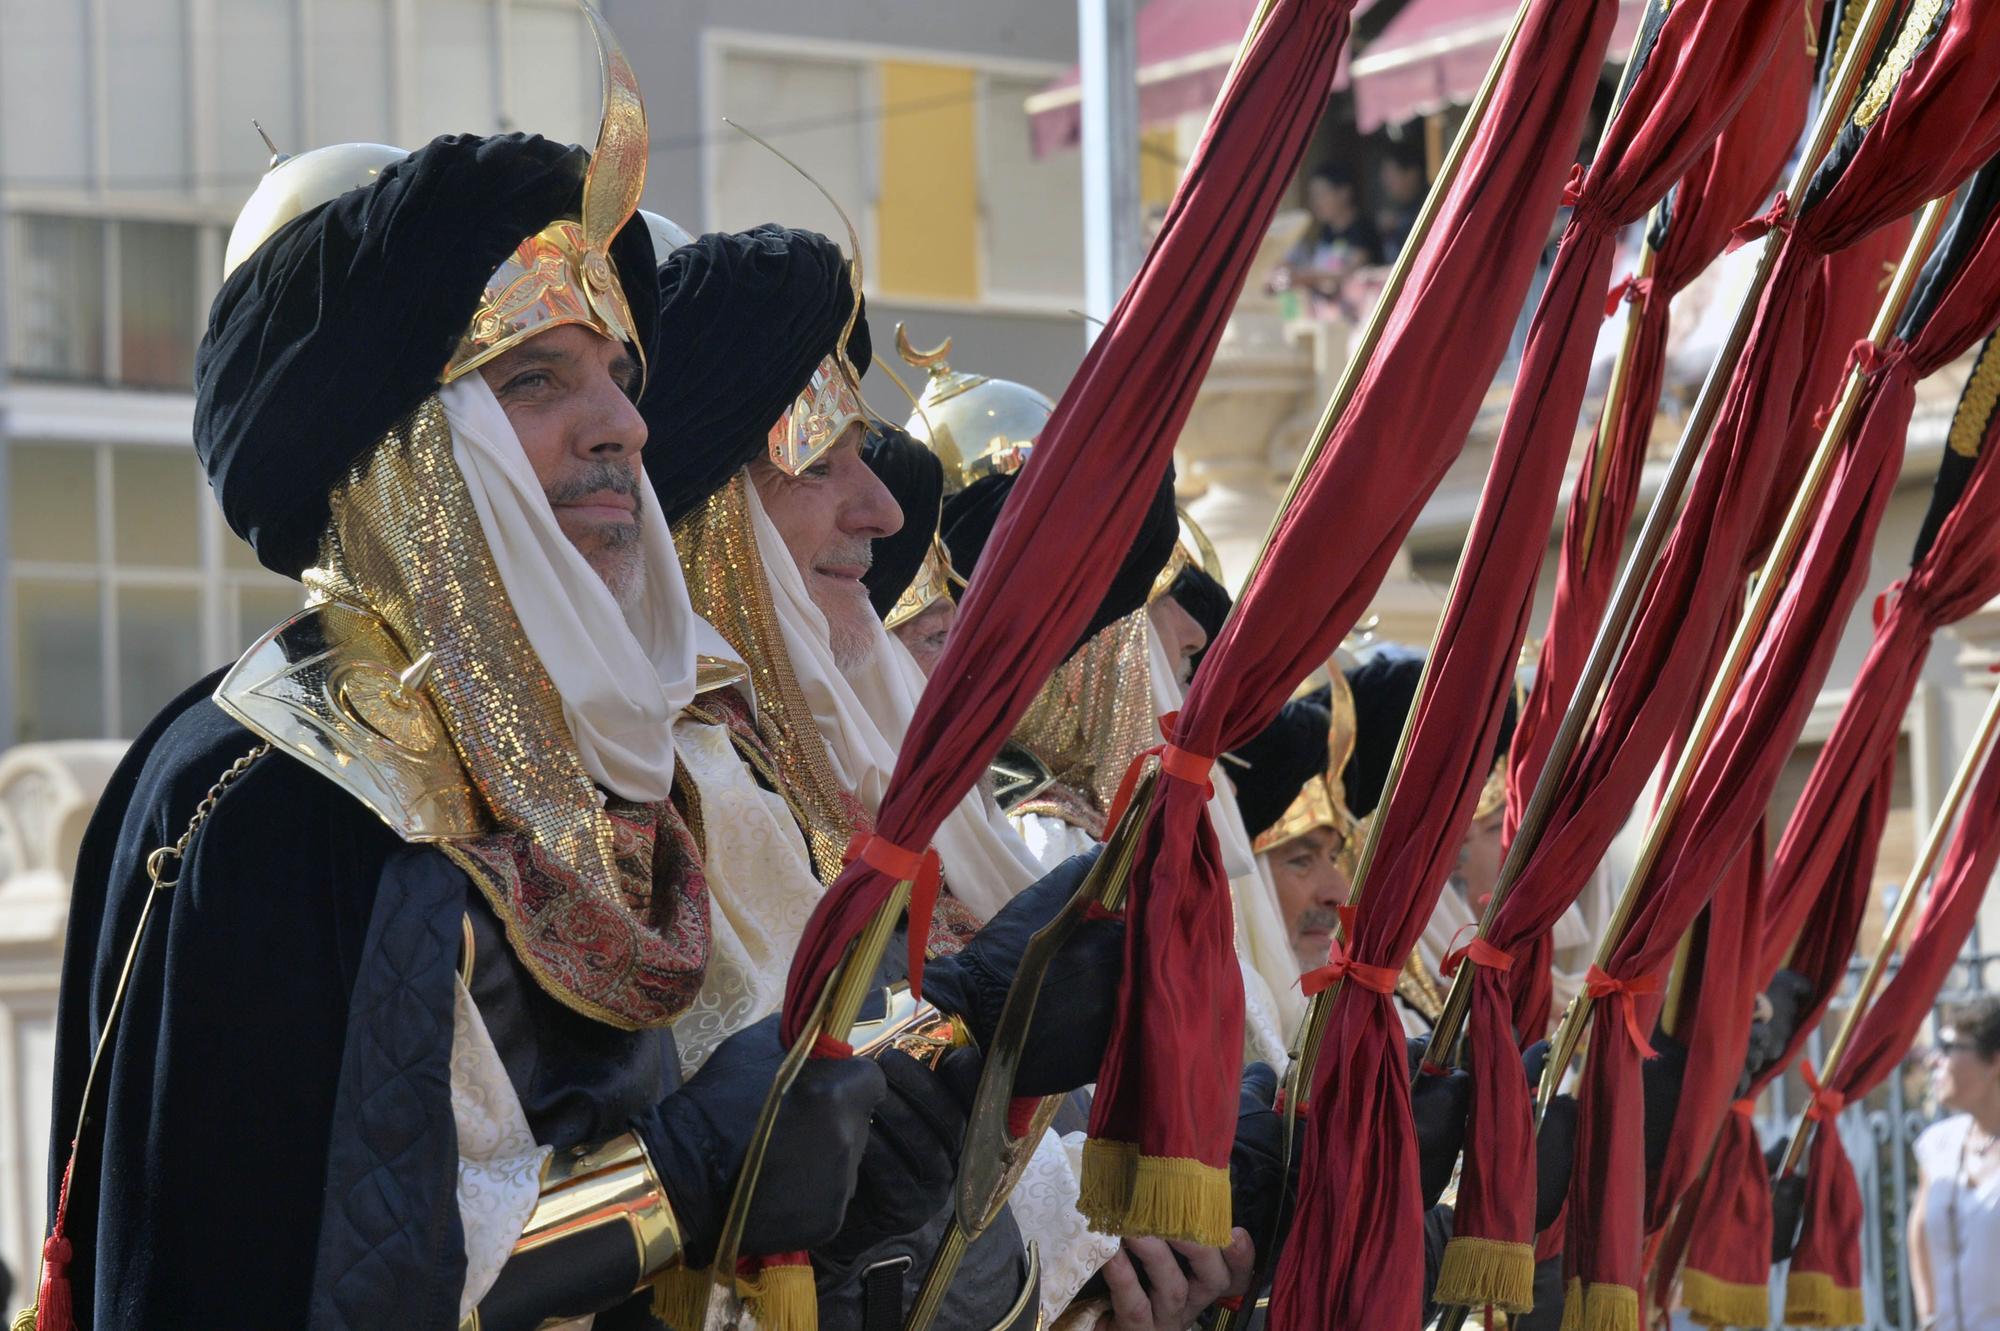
<point>1955,1226</point>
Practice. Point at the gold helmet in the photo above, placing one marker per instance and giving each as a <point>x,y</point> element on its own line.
<point>977,426</point>
<point>562,274</point>
<point>935,581</point>
<point>1322,801</point>
<point>1192,549</point>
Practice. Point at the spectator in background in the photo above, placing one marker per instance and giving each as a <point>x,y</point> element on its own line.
<point>1339,238</point>
<point>1402,186</point>
<point>1955,1223</point>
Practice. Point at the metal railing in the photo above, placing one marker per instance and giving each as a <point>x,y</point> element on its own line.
<point>1878,1133</point>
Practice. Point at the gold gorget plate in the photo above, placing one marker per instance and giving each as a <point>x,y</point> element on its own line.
<point>331,687</point>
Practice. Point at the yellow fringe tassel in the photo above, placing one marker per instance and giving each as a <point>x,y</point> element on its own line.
<point>1813,1299</point>
<point>779,1298</point>
<point>782,1298</point>
<point>1719,1303</point>
<point>1476,1273</point>
<point>1129,1195</point>
<point>24,1320</point>
<point>680,1298</point>
<point>1600,1307</point>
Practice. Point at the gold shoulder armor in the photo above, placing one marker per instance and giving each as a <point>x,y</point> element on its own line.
<point>717,672</point>
<point>331,687</point>
<point>1018,776</point>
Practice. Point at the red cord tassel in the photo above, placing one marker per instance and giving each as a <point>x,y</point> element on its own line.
<point>55,1309</point>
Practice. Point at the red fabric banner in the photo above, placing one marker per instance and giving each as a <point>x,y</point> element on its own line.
<point>1080,505</point>
<point>1828,1259</point>
<point>1826,859</point>
<point>1422,389</point>
<point>1938,124</point>
<point>1357,1217</point>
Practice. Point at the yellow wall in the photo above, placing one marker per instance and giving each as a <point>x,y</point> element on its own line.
<point>927,223</point>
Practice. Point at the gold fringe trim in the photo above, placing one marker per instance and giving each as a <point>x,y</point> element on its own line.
<point>680,1298</point>
<point>1600,1307</point>
<point>1130,1195</point>
<point>1715,1302</point>
<point>1813,1299</point>
<point>1476,1272</point>
<point>782,1298</point>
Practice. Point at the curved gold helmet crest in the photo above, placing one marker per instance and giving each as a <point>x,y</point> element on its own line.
<point>563,274</point>
<point>1322,801</point>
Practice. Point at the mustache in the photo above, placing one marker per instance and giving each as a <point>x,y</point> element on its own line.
<point>858,550</point>
<point>1317,917</point>
<point>595,478</point>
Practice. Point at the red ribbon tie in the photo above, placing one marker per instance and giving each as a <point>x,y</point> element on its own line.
<point>1826,1101</point>
<point>925,874</point>
<point>1479,951</point>
<point>1778,218</point>
<point>1341,965</point>
<point>1628,288</point>
<point>1601,984</point>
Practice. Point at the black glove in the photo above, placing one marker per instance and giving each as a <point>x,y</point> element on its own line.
<point>913,1149</point>
<point>1079,993</point>
<point>1660,1084</point>
<point>1555,1158</point>
<point>1555,1140</point>
<point>1790,995</point>
<point>1257,1183</point>
<point>1439,1102</point>
<point>1788,1203</point>
<point>698,1136</point>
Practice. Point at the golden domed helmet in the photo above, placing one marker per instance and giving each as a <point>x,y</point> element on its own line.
<point>563,274</point>
<point>977,425</point>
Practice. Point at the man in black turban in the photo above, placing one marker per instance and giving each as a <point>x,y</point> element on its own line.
<point>911,583</point>
<point>785,510</point>
<point>386,929</point>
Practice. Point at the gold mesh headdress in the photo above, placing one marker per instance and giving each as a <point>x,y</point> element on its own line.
<point>405,541</point>
<point>1092,718</point>
<point>730,589</point>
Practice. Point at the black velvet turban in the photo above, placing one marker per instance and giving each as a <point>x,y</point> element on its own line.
<point>1203,598</point>
<point>340,324</point>
<point>913,474</point>
<point>970,514</point>
<point>1385,686</point>
<point>746,319</point>
<point>1280,759</point>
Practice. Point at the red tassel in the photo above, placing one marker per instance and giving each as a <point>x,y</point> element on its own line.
<point>54,1310</point>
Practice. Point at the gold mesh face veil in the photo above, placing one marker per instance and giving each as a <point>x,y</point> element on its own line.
<point>1093,717</point>
<point>406,543</point>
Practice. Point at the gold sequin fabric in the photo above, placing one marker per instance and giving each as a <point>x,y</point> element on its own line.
<point>727,582</point>
<point>1093,717</point>
<point>405,541</point>
<point>782,742</point>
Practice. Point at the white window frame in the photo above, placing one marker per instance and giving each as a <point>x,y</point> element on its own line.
<point>718,44</point>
